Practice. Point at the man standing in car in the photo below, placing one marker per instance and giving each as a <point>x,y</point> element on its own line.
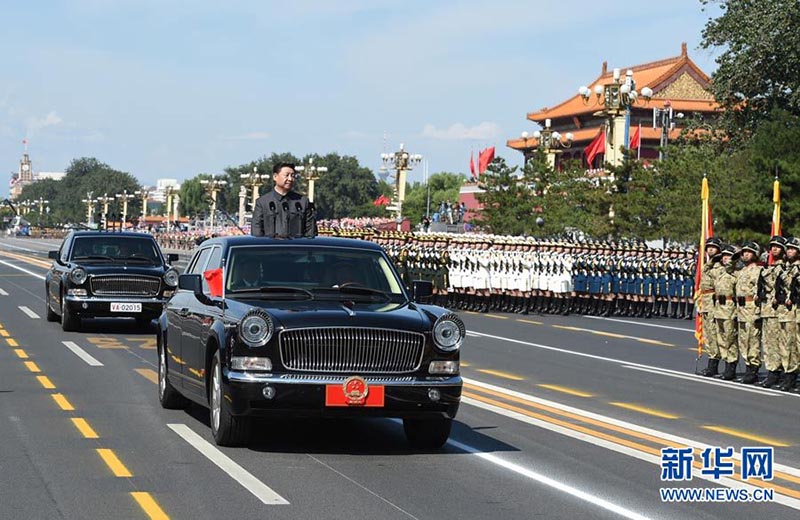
<point>283,212</point>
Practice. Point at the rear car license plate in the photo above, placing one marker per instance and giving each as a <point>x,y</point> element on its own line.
<point>126,307</point>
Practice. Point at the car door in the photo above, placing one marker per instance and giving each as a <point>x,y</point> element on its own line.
<point>177,312</point>
<point>57,270</point>
<point>197,325</point>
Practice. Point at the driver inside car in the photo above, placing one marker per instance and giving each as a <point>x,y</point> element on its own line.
<point>345,273</point>
<point>247,275</point>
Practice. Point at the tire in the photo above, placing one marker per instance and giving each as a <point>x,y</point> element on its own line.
<point>51,316</point>
<point>429,433</point>
<point>69,322</point>
<point>169,398</point>
<point>227,429</point>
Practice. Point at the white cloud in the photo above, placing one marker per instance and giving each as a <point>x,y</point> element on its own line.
<point>461,132</point>
<point>37,123</point>
<point>250,136</point>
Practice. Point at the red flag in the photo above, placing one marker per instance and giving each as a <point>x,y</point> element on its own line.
<point>636,139</point>
<point>214,279</point>
<point>382,200</point>
<point>472,163</point>
<point>485,157</point>
<point>597,146</point>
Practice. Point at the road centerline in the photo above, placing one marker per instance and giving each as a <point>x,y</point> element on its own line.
<point>645,410</point>
<point>149,505</point>
<point>116,466</point>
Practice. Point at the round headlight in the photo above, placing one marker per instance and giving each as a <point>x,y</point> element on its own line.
<point>255,329</point>
<point>171,277</point>
<point>78,275</point>
<point>449,332</point>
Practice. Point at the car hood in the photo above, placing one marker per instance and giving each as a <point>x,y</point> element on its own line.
<point>325,313</point>
<point>122,269</point>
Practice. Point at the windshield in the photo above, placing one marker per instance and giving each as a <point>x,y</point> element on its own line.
<point>322,271</point>
<point>110,248</point>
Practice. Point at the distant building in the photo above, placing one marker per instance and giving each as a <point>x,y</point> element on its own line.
<point>162,186</point>
<point>25,175</point>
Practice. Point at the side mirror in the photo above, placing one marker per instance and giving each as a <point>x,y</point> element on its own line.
<point>172,257</point>
<point>53,255</point>
<point>421,290</point>
<point>192,282</point>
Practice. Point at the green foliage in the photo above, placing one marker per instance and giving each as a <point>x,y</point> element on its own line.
<point>759,67</point>
<point>346,189</point>
<point>444,187</point>
<point>194,200</point>
<point>506,200</point>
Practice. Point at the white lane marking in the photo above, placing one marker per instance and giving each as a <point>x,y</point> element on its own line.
<point>3,293</point>
<point>18,268</point>
<point>85,356</point>
<point>640,323</point>
<point>725,481</point>
<point>698,379</point>
<point>616,422</point>
<point>560,486</point>
<point>260,490</point>
<point>29,312</point>
<point>22,248</point>
<point>711,381</point>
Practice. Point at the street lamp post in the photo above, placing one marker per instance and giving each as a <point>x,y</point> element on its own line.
<point>213,186</point>
<point>550,141</point>
<point>124,197</point>
<point>401,162</point>
<point>312,173</point>
<point>105,200</point>
<point>617,98</point>
<point>41,202</point>
<point>664,118</point>
<point>253,181</point>
<point>144,195</point>
<point>89,201</point>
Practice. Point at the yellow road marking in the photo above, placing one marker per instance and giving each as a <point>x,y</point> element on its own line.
<point>565,327</point>
<point>566,390</point>
<point>653,342</point>
<point>614,335</point>
<point>533,322</point>
<point>62,402</point>
<point>746,435</point>
<point>645,410</point>
<point>610,334</point>
<point>145,343</point>
<point>109,343</point>
<point>27,259</point>
<point>612,427</point>
<point>20,353</point>
<point>149,505</point>
<point>4,333</point>
<point>496,316</point>
<point>45,382</point>
<point>12,342</point>
<point>33,367</point>
<point>114,464</point>
<point>83,427</point>
<point>465,364</point>
<point>498,373</point>
<point>148,374</point>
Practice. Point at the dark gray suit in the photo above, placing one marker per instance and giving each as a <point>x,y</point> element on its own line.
<point>290,215</point>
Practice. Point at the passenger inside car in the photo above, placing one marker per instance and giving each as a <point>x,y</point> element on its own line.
<point>247,274</point>
<point>345,273</point>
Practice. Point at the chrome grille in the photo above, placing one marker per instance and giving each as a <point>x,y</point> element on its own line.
<point>125,285</point>
<point>351,350</point>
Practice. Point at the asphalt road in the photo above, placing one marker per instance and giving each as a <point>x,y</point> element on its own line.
<point>563,417</point>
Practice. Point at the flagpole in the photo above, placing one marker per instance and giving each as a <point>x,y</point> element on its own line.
<point>428,186</point>
<point>639,144</point>
<point>701,259</point>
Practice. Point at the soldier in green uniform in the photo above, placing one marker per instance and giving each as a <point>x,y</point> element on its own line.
<point>749,312</point>
<point>725,312</point>
<point>711,270</point>
<point>789,354</point>
<point>772,302</point>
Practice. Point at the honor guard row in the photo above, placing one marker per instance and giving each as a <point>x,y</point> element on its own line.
<point>749,310</point>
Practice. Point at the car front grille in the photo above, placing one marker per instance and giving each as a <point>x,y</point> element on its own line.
<point>125,285</point>
<point>351,350</point>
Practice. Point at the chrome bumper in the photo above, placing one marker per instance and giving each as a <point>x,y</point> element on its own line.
<point>296,379</point>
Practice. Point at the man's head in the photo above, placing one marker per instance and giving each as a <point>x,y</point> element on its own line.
<point>283,175</point>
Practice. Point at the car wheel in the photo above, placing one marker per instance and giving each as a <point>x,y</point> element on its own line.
<point>169,397</point>
<point>428,433</point>
<point>51,316</point>
<point>227,429</point>
<point>69,322</point>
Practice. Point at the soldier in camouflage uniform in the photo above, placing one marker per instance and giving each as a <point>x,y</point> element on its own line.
<point>749,312</point>
<point>790,355</point>
<point>711,270</point>
<point>773,309</point>
<point>725,312</point>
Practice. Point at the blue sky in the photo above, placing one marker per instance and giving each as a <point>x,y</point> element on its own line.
<point>175,88</point>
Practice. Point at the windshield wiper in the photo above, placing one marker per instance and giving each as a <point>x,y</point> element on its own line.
<point>140,259</point>
<point>93,257</point>
<point>360,289</point>
<point>273,291</point>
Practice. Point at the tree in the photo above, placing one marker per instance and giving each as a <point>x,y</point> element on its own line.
<point>346,189</point>
<point>85,175</point>
<point>759,68</point>
<point>193,196</point>
<point>506,200</point>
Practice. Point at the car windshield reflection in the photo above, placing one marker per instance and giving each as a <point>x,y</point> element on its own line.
<point>319,272</point>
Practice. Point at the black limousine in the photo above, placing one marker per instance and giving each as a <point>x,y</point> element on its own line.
<point>307,327</point>
<point>102,274</point>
